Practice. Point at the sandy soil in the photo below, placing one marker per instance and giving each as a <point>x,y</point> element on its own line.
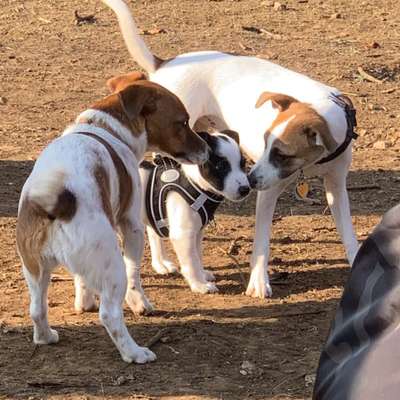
<point>51,68</point>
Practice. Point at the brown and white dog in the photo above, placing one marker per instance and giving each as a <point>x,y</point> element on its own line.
<point>287,123</point>
<point>84,186</point>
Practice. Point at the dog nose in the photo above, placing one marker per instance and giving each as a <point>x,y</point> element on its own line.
<point>252,180</point>
<point>244,191</point>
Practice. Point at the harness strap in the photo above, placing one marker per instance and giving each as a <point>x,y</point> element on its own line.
<point>125,180</point>
<point>350,113</point>
<point>203,202</point>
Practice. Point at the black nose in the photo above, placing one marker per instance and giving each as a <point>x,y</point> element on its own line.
<point>252,180</point>
<point>244,191</point>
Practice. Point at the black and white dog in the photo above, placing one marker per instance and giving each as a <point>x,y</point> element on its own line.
<point>180,199</point>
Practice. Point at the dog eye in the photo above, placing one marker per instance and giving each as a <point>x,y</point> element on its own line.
<point>185,123</point>
<point>277,154</point>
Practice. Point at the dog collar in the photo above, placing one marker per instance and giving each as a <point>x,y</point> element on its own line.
<point>350,113</point>
<point>166,175</point>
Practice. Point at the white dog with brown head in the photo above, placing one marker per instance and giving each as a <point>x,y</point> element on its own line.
<point>287,123</point>
<point>83,188</point>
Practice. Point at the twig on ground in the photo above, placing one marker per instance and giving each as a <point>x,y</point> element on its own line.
<point>234,259</point>
<point>388,91</point>
<point>34,351</point>
<point>368,77</point>
<point>287,379</point>
<point>61,278</point>
<point>156,338</point>
<point>84,19</point>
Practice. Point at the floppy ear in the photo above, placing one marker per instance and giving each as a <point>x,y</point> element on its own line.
<point>321,129</point>
<point>279,101</point>
<point>232,134</point>
<point>137,100</point>
<point>120,82</point>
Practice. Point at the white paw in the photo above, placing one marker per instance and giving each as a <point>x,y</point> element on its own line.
<point>141,355</point>
<point>138,302</point>
<point>203,288</point>
<point>48,338</point>
<point>208,276</point>
<point>165,267</point>
<point>260,289</point>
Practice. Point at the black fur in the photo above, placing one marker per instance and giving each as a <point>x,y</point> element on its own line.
<point>216,168</point>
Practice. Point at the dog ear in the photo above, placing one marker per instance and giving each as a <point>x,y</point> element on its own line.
<point>322,131</point>
<point>138,100</point>
<point>232,134</point>
<point>278,100</point>
<point>120,82</point>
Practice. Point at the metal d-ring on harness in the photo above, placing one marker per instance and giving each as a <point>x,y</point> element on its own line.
<point>350,112</point>
<point>166,175</point>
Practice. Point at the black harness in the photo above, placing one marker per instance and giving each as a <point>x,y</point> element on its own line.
<point>350,112</point>
<point>166,175</point>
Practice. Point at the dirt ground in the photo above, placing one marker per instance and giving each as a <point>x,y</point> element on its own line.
<point>51,68</point>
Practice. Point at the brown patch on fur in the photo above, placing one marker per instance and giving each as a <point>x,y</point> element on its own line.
<point>120,82</point>
<point>65,207</point>
<point>164,116</point>
<point>279,101</point>
<point>103,183</point>
<point>125,181</point>
<point>32,228</point>
<point>301,132</point>
<point>112,106</point>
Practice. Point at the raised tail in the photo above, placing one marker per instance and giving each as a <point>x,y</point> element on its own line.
<point>49,193</point>
<point>135,44</point>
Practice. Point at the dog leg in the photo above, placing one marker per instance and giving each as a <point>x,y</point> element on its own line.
<point>112,271</point>
<point>208,275</point>
<point>186,248</point>
<point>338,200</point>
<point>42,333</point>
<point>85,299</point>
<point>259,285</point>
<point>159,258</point>
<point>133,242</point>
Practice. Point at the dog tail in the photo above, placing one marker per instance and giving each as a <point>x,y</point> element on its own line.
<point>135,44</point>
<point>49,193</point>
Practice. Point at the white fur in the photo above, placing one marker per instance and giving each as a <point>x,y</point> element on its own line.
<point>226,88</point>
<point>88,244</point>
<point>186,231</point>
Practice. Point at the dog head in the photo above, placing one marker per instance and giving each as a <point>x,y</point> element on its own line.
<point>224,172</point>
<point>297,137</point>
<point>165,118</point>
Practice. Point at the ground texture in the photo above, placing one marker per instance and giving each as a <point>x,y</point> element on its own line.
<point>51,68</point>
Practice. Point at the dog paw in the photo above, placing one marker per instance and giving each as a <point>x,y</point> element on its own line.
<point>208,276</point>
<point>259,289</point>
<point>49,337</point>
<point>141,355</point>
<point>138,302</point>
<point>203,288</point>
<point>165,267</point>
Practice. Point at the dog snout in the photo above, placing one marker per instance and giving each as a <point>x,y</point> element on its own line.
<point>252,180</point>
<point>244,190</point>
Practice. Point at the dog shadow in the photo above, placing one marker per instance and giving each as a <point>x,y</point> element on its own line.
<point>13,175</point>
<point>201,353</point>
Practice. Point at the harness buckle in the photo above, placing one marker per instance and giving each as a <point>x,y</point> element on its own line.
<point>199,202</point>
